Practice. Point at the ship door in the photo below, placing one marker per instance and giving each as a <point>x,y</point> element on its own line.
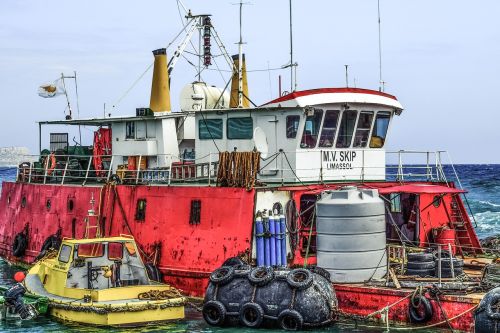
<point>269,125</point>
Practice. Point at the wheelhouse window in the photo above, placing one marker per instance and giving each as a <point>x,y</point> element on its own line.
<point>380,129</point>
<point>240,128</point>
<point>311,129</point>
<point>346,129</point>
<point>292,126</point>
<point>130,130</point>
<point>64,253</point>
<point>363,129</point>
<point>329,128</point>
<point>210,129</point>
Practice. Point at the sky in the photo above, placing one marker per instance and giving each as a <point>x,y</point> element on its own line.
<point>440,58</point>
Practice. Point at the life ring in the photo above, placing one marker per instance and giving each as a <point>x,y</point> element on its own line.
<point>251,315</point>
<point>214,313</point>
<point>50,163</point>
<point>417,302</point>
<point>20,244</point>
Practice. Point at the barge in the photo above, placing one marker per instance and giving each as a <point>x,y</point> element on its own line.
<point>190,186</point>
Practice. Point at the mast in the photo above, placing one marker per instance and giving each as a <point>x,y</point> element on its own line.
<point>293,69</point>
<point>240,61</point>
<point>381,81</point>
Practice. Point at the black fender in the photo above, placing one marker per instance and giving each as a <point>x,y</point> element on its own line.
<point>421,302</point>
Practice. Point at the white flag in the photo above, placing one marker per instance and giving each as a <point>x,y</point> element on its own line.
<point>53,89</point>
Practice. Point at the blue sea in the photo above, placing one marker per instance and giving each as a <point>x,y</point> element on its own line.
<point>482,181</point>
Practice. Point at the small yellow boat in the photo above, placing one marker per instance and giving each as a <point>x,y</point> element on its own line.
<point>102,281</point>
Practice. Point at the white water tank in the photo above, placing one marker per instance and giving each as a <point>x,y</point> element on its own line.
<point>199,96</point>
<point>351,238</point>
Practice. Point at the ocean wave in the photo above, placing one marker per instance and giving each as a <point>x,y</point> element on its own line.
<point>489,203</point>
<point>488,223</point>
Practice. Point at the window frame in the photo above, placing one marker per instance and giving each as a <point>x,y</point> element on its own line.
<point>64,246</point>
<point>339,129</point>
<point>211,136</point>
<point>369,129</point>
<point>320,126</point>
<point>228,128</point>
<point>372,132</point>
<point>339,113</point>
<point>296,130</point>
<point>130,135</point>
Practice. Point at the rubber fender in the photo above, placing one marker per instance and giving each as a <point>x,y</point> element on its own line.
<point>51,242</point>
<point>486,320</point>
<point>290,320</point>
<point>222,275</point>
<point>415,316</point>
<point>20,244</point>
<point>214,313</point>
<point>421,265</point>
<point>251,315</point>
<point>420,256</point>
<point>321,271</point>
<point>420,272</point>
<point>299,278</point>
<point>260,276</point>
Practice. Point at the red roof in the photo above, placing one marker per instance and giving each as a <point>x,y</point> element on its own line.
<point>296,94</point>
<point>419,188</point>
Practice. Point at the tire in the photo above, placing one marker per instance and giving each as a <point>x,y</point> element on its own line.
<point>299,278</point>
<point>415,316</point>
<point>421,265</point>
<point>222,275</point>
<point>420,257</point>
<point>115,178</point>
<point>446,272</point>
<point>214,313</point>
<point>321,271</point>
<point>446,263</point>
<point>51,242</point>
<point>290,320</point>
<point>20,244</point>
<point>251,315</point>
<point>260,276</point>
<point>420,272</point>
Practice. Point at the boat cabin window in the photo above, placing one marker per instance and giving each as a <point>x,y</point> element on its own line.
<point>292,125</point>
<point>329,128</point>
<point>129,246</point>
<point>311,129</point>
<point>92,250</point>
<point>64,253</point>
<point>129,130</point>
<point>363,129</point>
<point>346,129</point>
<point>210,129</point>
<point>140,130</point>
<point>240,128</point>
<point>395,202</point>
<point>115,250</point>
<point>380,129</point>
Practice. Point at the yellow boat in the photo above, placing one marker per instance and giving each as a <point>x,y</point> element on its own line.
<point>102,281</point>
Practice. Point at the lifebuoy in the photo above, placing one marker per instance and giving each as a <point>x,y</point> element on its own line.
<point>20,244</point>
<point>50,163</point>
<point>416,303</point>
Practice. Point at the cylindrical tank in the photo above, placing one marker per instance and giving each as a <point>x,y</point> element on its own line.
<point>446,236</point>
<point>351,237</point>
<point>199,96</point>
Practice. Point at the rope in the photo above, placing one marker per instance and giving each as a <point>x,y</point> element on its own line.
<point>238,169</point>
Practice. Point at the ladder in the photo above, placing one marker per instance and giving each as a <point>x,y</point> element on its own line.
<point>465,238</point>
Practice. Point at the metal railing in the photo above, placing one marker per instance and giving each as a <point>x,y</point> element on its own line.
<point>164,169</point>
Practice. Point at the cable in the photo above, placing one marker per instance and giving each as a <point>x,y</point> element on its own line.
<point>132,86</point>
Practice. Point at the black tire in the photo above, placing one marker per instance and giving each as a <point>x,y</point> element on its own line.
<point>251,315</point>
<point>222,275</point>
<point>51,242</point>
<point>299,278</point>
<point>446,263</point>
<point>154,273</point>
<point>420,272</point>
<point>423,304</point>
<point>234,261</point>
<point>421,265</point>
<point>115,178</point>
<point>420,257</point>
<point>260,276</point>
<point>20,244</point>
<point>290,320</point>
<point>446,272</point>
<point>493,315</point>
<point>214,313</point>
<point>321,271</point>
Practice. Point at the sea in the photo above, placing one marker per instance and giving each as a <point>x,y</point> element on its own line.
<point>481,181</point>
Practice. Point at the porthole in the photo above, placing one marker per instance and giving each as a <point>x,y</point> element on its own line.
<point>8,199</point>
<point>437,201</point>
<point>48,204</point>
<point>23,202</point>
<point>71,205</point>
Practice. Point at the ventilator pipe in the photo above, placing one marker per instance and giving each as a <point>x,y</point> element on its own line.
<point>160,87</point>
<point>236,100</point>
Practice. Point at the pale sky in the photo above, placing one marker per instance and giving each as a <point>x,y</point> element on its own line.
<point>440,58</point>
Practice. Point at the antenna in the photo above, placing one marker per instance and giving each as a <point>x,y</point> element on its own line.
<point>240,56</point>
<point>346,76</point>
<point>381,82</point>
<point>293,67</point>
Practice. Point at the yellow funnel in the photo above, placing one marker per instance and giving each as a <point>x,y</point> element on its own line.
<point>233,102</point>
<point>160,89</point>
